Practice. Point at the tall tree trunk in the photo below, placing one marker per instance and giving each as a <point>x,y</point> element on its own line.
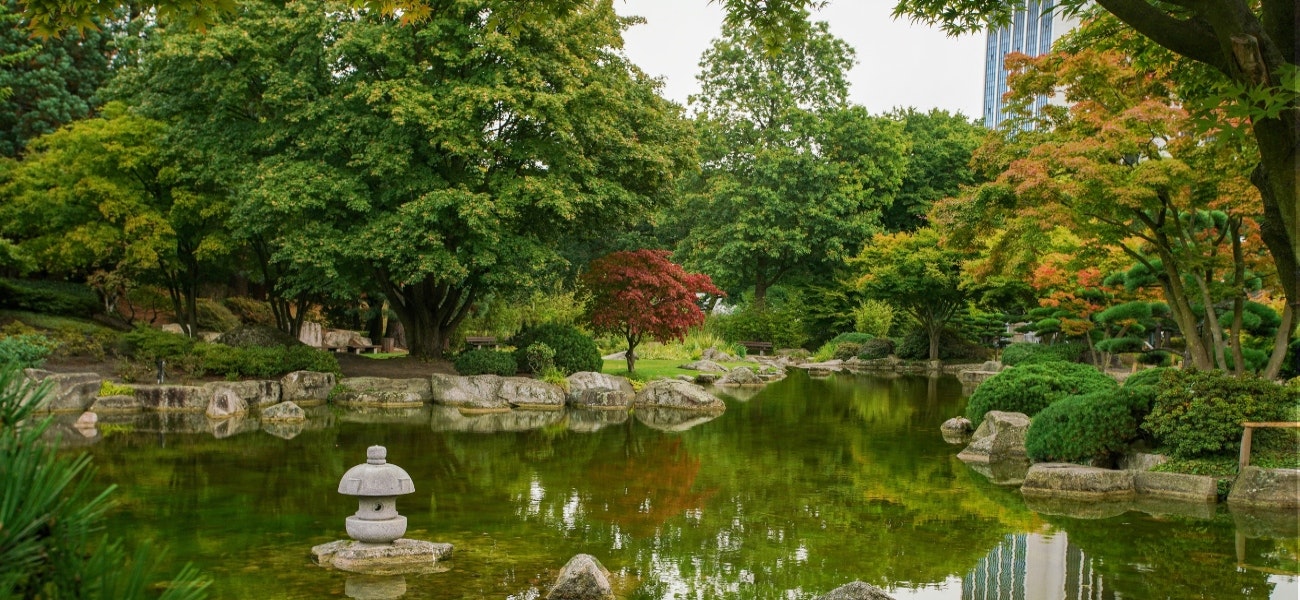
<point>1280,343</point>
<point>430,312</point>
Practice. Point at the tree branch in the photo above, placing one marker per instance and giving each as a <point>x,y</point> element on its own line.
<point>1193,38</point>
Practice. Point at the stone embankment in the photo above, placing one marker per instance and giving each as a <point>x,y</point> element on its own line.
<point>997,450</point>
<point>287,406</point>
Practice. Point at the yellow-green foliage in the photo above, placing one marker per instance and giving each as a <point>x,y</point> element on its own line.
<point>108,388</point>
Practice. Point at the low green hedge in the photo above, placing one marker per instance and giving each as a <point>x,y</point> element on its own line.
<point>1031,388</point>
<point>480,361</point>
<point>197,358</point>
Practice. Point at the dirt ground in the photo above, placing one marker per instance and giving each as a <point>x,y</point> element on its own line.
<point>351,364</point>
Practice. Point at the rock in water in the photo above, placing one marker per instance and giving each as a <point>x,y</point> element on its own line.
<point>857,590</point>
<point>583,578</point>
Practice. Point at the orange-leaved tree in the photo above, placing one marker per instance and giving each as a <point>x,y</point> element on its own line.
<point>640,293</point>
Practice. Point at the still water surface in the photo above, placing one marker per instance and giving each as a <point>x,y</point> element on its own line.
<point>798,488</point>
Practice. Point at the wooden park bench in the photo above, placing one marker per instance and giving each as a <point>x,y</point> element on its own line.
<point>1246,434</point>
<point>363,348</point>
<point>759,347</point>
<point>481,342</point>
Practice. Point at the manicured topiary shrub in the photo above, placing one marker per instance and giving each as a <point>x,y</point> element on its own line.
<point>1025,353</point>
<point>1030,388</point>
<point>876,349</point>
<point>574,350</point>
<point>480,361</point>
<point>853,338</point>
<point>847,350</point>
<point>1199,413</point>
<point>1081,429</point>
<point>147,343</point>
<point>250,311</point>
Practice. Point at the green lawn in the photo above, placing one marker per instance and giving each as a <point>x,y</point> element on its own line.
<point>647,369</point>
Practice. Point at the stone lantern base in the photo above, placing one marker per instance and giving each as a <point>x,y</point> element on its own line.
<point>401,556</point>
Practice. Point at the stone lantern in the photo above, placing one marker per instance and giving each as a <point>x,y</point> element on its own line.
<point>376,484</point>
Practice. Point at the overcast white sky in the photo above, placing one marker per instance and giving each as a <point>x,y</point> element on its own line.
<point>899,64</point>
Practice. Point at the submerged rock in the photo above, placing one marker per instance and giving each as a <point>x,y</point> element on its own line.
<point>858,590</point>
<point>284,411</point>
<point>583,578</point>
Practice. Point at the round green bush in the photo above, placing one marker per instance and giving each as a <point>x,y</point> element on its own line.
<point>1025,353</point>
<point>847,350</point>
<point>574,350</point>
<point>877,348</point>
<point>210,315</point>
<point>1030,388</point>
<point>481,361</point>
<point>1082,429</point>
<point>1199,413</point>
<point>853,338</point>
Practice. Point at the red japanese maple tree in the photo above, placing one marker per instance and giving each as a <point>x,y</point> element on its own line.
<point>635,294</point>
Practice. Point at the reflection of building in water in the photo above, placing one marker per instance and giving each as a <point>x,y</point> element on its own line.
<point>1035,567</point>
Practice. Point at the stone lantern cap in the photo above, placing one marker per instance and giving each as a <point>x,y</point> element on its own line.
<point>376,477</point>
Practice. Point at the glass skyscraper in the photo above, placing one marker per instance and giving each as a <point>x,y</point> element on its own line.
<point>1030,32</point>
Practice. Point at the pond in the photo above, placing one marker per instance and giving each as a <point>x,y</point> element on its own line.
<point>798,488</point>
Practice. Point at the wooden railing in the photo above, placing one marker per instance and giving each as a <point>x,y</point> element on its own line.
<point>1249,428</point>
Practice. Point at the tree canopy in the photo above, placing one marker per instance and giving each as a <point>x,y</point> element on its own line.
<point>435,161</point>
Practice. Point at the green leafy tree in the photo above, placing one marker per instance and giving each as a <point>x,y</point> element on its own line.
<point>45,83</point>
<point>436,161</point>
<point>1250,49</point>
<point>99,194</point>
<point>792,178</point>
<point>938,164</point>
<point>916,275</point>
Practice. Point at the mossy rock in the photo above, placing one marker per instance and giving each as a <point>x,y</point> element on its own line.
<point>246,336</point>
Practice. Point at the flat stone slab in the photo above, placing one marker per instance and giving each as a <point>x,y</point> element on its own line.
<point>1176,486</point>
<point>1077,482</point>
<point>1272,489</point>
<point>402,556</point>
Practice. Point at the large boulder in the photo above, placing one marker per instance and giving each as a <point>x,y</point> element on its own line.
<point>256,393</point>
<point>250,336</point>
<point>1000,437</point>
<point>602,399</point>
<point>380,391</point>
<point>857,590</point>
<point>670,393</point>
<point>307,388</point>
<point>1274,489</point>
<point>476,393</point>
<point>705,366</point>
<point>117,404</point>
<point>173,398</point>
<point>583,578</point>
<point>531,394</point>
<point>1176,486</point>
<point>226,404</point>
<point>284,411</point>
<point>69,392</point>
<point>1077,482</point>
<point>740,376</point>
<point>582,381</point>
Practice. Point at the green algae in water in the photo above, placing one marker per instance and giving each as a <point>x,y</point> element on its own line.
<point>798,488</point>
